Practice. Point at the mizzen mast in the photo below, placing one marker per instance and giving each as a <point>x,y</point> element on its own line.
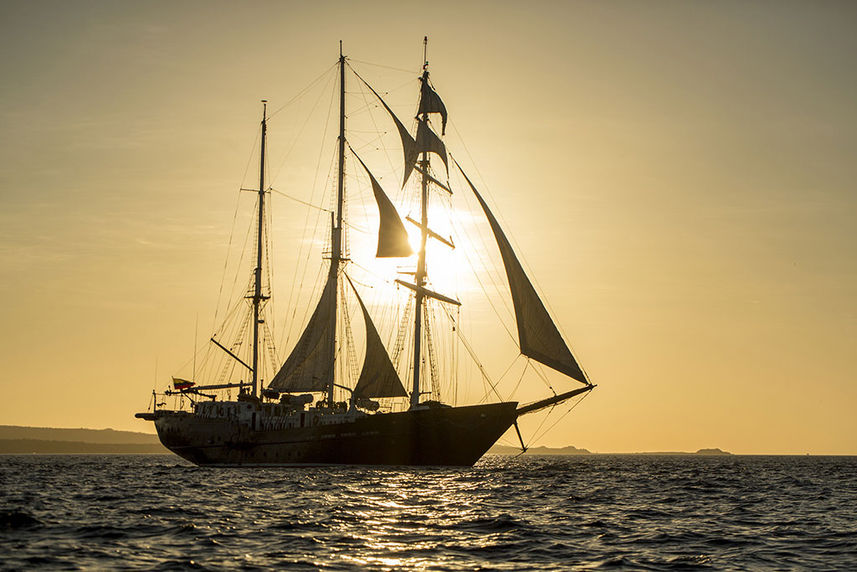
<point>257,273</point>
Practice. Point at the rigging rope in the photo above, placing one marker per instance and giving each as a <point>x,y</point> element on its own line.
<point>490,298</point>
<point>303,91</point>
<point>432,359</point>
<point>563,416</point>
<point>541,375</point>
<point>380,134</point>
<point>267,308</point>
<point>520,379</point>
<point>297,200</point>
<point>402,333</point>
<point>297,285</point>
<point>378,65</point>
<point>232,232</point>
<point>478,363</point>
<point>302,128</point>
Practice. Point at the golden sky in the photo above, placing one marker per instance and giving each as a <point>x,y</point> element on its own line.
<point>678,176</point>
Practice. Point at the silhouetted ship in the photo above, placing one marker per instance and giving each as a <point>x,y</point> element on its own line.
<point>308,413</point>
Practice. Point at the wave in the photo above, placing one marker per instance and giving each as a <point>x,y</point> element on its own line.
<point>646,513</point>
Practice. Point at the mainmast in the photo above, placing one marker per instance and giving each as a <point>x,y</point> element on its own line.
<point>420,275</point>
<point>336,231</point>
<point>257,289</point>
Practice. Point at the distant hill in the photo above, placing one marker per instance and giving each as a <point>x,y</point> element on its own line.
<point>50,440</point>
<point>82,435</point>
<point>55,441</point>
<point>506,450</point>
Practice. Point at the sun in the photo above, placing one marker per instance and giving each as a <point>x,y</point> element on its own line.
<point>450,256</point>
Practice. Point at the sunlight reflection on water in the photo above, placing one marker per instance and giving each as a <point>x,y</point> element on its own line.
<point>528,512</point>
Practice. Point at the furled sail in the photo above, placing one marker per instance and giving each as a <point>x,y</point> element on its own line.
<point>310,365</point>
<point>392,236</point>
<point>538,336</point>
<point>430,102</point>
<point>427,141</point>
<point>378,378</point>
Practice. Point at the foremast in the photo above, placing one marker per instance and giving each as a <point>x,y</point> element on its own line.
<point>420,275</point>
<point>538,335</point>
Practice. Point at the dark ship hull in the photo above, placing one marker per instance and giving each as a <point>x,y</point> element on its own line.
<point>452,436</point>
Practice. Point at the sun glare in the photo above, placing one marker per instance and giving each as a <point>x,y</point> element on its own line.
<point>447,267</point>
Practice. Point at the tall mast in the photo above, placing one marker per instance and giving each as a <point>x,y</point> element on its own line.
<point>336,231</point>
<point>257,290</point>
<point>420,276</point>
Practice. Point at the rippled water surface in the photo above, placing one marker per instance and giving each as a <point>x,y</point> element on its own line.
<point>637,512</point>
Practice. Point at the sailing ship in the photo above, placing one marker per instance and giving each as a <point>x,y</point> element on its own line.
<point>296,418</point>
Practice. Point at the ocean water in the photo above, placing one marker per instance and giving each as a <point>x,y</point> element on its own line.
<point>548,513</point>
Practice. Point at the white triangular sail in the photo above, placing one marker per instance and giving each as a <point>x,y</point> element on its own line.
<point>310,365</point>
<point>538,336</point>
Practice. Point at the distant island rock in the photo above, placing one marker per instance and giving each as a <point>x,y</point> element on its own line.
<point>714,451</point>
<point>570,450</point>
<point>506,450</point>
<point>706,452</point>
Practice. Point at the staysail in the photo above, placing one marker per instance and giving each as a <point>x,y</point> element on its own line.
<point>538,336</point>
<point>408,143</point>
<point>392,236</point>
<point>378,378</point>
<point>310,365</point>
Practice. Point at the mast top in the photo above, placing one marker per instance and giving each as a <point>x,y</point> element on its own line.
<point>425,53</point>
<point>340,48</point>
